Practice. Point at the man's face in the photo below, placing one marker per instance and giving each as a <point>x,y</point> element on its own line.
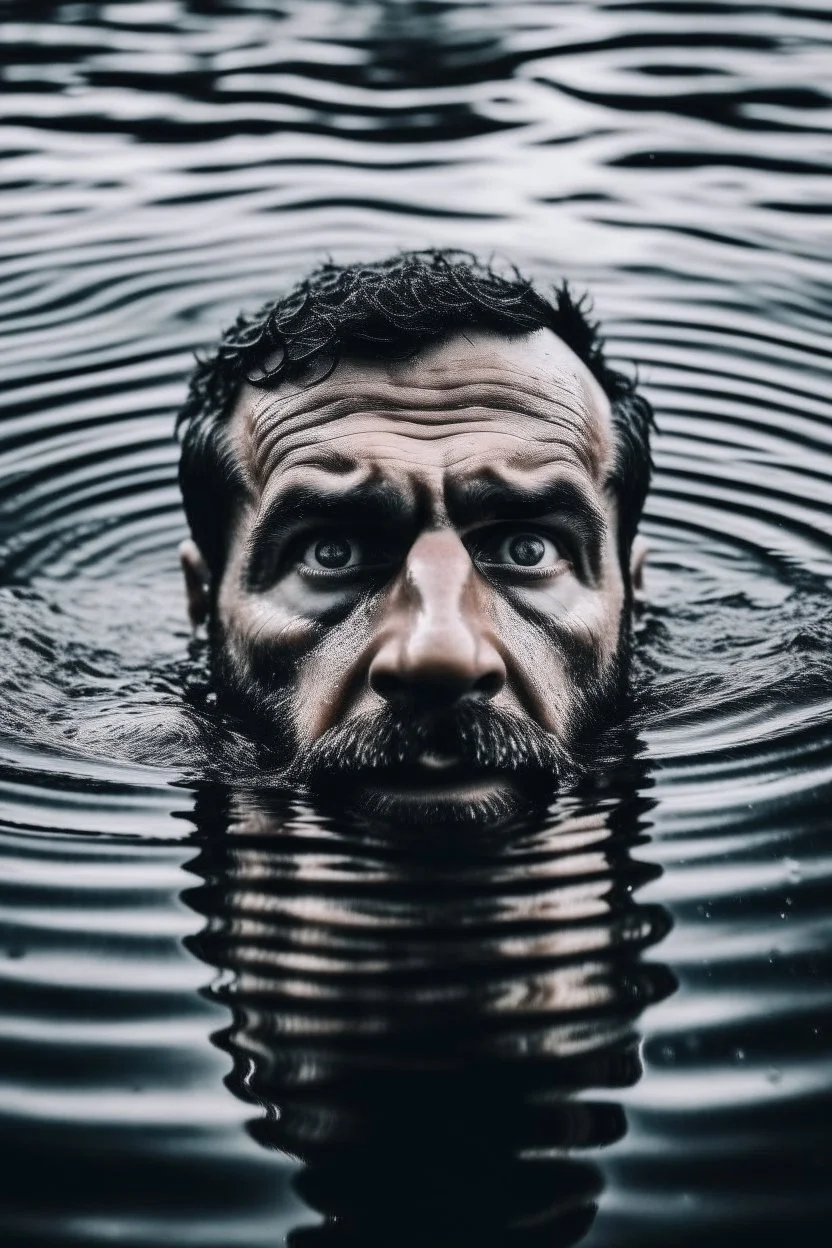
<point>423,603</point>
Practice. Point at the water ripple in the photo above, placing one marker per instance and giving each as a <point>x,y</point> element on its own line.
<point>611,1027</point>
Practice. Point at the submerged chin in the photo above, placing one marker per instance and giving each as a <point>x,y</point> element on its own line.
<point>472,800</point>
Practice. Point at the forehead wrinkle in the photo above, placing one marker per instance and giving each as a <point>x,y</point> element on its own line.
<point>273,417</point>
<point>299,447</point>
<point>312,476</point>
<point>266,451</point>
<point>555,361</point>
<point>334,397</point>
<point>264,422</point>
<point>526,383</point>
<point>397,448</point>
<point>246,435</point>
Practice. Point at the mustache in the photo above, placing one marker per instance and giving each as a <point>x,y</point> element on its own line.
<point>478,736</point>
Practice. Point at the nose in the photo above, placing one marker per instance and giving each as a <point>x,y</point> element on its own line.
<point>436,647</point>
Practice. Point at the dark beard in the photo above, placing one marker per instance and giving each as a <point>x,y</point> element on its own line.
<point>381,749</point>
<point>361,763</point>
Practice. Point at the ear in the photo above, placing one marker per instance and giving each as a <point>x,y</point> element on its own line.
<point>197,581</point>
<point>638,557</point>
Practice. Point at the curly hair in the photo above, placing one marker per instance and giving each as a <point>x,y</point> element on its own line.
<point>388,309</point>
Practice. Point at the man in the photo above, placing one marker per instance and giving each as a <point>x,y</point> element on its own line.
<point>413,489</point>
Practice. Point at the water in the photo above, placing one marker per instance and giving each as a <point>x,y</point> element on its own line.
<point>224,1019</point>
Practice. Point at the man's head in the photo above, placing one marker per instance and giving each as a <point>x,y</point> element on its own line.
<point>413,489</point>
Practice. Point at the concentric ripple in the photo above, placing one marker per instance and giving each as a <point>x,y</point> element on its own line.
<point>612,1026</point>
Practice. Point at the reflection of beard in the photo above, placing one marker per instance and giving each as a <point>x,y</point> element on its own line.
<point>507,759</point>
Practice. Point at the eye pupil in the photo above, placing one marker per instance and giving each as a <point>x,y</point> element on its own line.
<point>527,550</point>
<point>333,554</point>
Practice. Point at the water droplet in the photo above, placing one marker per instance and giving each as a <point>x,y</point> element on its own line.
<point>773,1075</point>
<point>792,868</point>
<point>739,1054</point>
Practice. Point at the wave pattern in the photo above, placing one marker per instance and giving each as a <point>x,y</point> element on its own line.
<point>416,1024</point>
<point>613,1028</point>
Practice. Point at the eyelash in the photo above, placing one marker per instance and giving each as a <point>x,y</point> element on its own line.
<point>356,573</point>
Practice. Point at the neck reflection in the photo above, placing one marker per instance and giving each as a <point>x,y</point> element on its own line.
<point>417,1019</point>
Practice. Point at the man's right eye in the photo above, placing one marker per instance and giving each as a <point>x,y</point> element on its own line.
<point>328,555</point>
<point>331,554</point>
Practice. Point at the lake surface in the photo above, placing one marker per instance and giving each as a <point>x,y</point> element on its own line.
<point>225,1019</point>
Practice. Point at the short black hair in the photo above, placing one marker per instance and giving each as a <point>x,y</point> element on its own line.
<point>385,310</point>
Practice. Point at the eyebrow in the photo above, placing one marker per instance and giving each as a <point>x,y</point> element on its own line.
<point>492,499</point>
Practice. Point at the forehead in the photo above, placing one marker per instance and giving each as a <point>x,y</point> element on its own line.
<point>467,406</point>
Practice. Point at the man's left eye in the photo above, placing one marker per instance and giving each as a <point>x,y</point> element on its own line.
<point>520,549</point>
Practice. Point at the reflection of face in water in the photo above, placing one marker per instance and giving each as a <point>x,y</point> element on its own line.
<point>416,1019</point>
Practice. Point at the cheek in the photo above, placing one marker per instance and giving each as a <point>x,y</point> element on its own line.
<point>274,644</point>
<point>537,670</point>
<point>255,625</point>
<point>263,648</point>
<point>256,621</point>
<point>332,678</point>
<point>554,645</point>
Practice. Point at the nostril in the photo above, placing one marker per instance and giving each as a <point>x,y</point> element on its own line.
<point>488,685</point>
<point>386,684</point>
<point>433,688</point>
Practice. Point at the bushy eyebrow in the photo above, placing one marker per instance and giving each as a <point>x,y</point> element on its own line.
<point>493,499</point>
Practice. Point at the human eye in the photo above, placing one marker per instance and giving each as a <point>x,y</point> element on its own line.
<point>520,550</point>
<point>331,553</point>
<point>328,555</point>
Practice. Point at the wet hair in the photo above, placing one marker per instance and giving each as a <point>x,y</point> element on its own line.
<point>387,310</point>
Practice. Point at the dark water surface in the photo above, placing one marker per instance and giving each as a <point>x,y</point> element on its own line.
<point>226,1020</point>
